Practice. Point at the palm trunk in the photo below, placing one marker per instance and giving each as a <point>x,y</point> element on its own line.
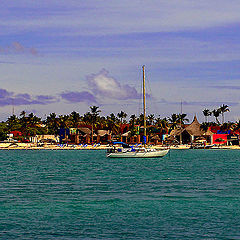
<point>92,132</point>
<point>121,131</point>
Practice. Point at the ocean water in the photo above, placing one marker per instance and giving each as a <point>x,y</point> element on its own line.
<point>71,194</point>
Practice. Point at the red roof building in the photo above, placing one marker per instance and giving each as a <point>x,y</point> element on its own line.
<point>16,133</point>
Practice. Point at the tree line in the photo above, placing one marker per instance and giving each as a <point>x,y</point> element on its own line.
<point>216,113</point>
<point>31,125</point>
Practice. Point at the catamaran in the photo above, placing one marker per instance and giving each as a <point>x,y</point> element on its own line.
<point>127,151</point>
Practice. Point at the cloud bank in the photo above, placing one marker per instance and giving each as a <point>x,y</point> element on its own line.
<point>11,98</point>
<point>76,97</point>
<point>100,86</point>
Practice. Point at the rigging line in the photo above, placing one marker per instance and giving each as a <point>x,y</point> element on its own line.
<point>150,100</point>
<point>140,107</point>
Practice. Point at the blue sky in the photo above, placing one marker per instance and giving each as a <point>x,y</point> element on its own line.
<point>61,56</point>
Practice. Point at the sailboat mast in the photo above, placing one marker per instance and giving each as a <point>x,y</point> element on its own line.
<point>144,103</point>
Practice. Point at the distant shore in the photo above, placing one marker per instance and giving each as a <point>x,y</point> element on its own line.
<point>30,146</point>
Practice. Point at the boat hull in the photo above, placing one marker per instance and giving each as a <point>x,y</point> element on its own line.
<point>155,154</point>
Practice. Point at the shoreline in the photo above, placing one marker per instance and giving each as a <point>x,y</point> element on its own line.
<point>29,146</point>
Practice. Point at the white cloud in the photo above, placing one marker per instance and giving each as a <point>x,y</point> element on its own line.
<point>103,85</point>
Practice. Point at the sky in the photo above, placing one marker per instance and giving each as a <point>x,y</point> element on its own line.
<point>63,56</point>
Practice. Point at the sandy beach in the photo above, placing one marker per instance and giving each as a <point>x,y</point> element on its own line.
<point>31,146</point>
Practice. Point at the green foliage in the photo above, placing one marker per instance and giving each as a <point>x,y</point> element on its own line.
<point>31,125</point>
<point>204,126</point>
<point>207,113</point>
<point>3,131</point>
<point>177,119</point>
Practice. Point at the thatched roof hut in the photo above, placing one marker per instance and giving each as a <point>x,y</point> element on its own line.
<point>102,133</point>
<point>189,133</point>
<point>194,128</point>
<point>85,130</point>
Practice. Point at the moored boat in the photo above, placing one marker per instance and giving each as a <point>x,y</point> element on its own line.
<point>137,152</point>
<point>127,151</point>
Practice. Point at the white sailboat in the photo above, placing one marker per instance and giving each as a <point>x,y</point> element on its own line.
<point>127,151</point>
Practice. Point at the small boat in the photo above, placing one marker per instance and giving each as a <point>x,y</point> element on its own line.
<point>126,151</point>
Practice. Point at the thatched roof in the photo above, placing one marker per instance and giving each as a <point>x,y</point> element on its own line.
<point>85,130</point>
<point>194,128</point>
<point>102,133</point>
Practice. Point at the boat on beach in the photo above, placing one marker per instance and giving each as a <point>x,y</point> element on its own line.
<point>127,151</point>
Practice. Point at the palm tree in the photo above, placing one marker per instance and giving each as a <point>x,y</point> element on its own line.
<point>216,113</point>
<point>223,109</point>
<point>162,124</point>
<point>32,124</point>
<point>132,122</point>
<point>206,113</point>
<point>151,119</point>
<point>237,125</point>
<point>87,118</point>
<point>173,120</point>
<point>23,121</point>
<point>13,123</point>
<point>64,121</point>
<point>75,119</point>
<point>23,114</point>
<point>227,126</point>
<point>204,126</point>
<point>52,123</point>
<point>103,123</point>
<point>3,131</point>
<point>140,120</point>
<point>132,119</point>
<point>94,114</point>
<point>113,123</point>
<point>122,115</point>
<point>182,118</point>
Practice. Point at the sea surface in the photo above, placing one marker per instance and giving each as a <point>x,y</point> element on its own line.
<point>81,194</point>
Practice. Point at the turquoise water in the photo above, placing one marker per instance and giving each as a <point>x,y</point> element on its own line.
<point>67,194</point>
